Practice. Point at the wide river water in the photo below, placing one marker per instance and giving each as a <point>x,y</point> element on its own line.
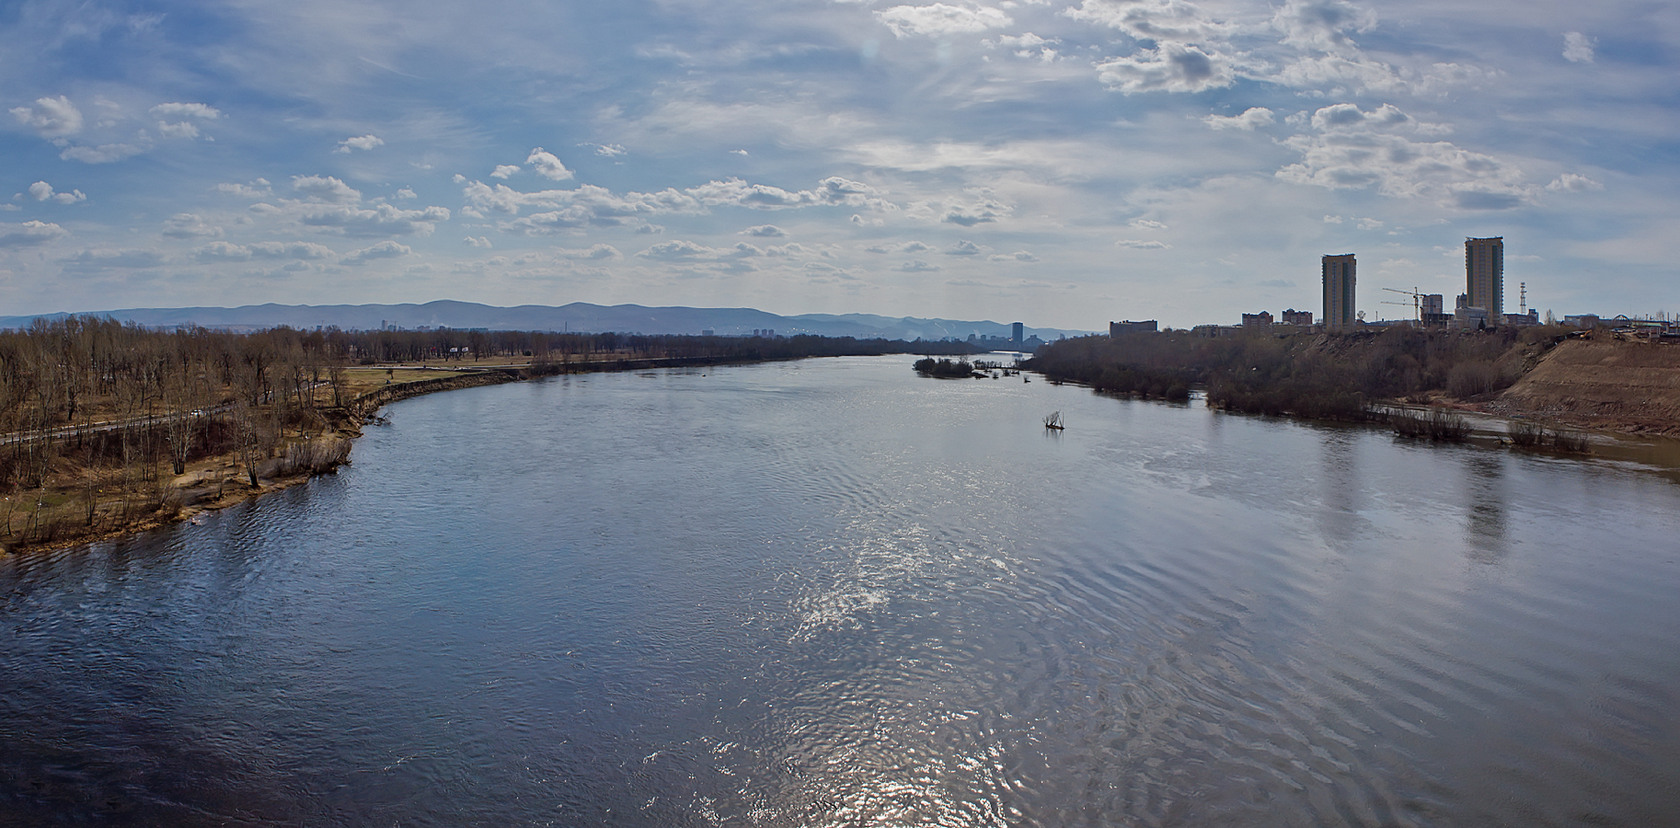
<point>831,593</point>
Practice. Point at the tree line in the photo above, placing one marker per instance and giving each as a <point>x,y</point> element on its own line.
<point>99,418</point>
<point>1313,375</point>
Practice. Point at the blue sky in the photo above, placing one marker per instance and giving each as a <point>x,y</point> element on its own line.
<point>1062,163</point>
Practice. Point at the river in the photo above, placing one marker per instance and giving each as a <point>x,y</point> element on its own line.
<point>831,593</point>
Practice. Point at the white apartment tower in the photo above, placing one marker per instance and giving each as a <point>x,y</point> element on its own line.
<point>1484,274</point>
<point>1339,313</point>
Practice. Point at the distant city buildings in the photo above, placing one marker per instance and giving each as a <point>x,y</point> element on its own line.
<point>1302,319</point>
<point>1484,275</point>
<point>1017,329</point>
<point>1339,278</point>
<point>1262,319</point>
<point>1129,327</point>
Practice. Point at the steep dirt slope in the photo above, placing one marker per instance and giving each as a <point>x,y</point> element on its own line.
<point>1601,383</point>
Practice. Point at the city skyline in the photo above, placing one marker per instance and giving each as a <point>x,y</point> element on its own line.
<point>1067,163</point>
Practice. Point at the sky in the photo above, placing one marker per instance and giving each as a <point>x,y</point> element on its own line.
<point>1064,163</point>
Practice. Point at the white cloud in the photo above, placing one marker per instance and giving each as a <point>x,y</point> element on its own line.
<point>224,251</point>
<point>1157,21</point>
<point>917,266</point>
<point>383,250</point>
<point>608,150</point>
<point>1577,47</point>
<point>379,220</point>
<point>30,233</point>
<point>767,231</point>
<point>1251,119</point>
<point>1017,256</point>
<point>1573,183</point>
<point>102,154</point>
<point>325,188</point>
<point>682,250</point>
<point>547,165</point>
<point>964,248</point>
<point>1356,149</point>
<point>1146,224</point>
<point>101,258</point>
<point>200,111</point>
<point>982,208</point>
<point>260,188</point>
<point>1326,25</point>
<point>189,226</point>
<point>504,170</point>
<point>1140,244</point>
<point>42,191</point>
<point>598,252</point>
<point>360,142</point>
<point>481,242</point>
<point>1174,67</point>
<point>942,19</point>
<point>50,117</point>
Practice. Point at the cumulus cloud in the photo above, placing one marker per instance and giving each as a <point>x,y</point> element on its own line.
<point>1017,256</point>
<point>1251,119</point>
<point>50,117</point>
<point>941,19</point>
<point>608,150</point>
<point>30,234</point>
<point>964,248</point>
<point>1573,183</point>
<point>1577,48</point>
<point>103,258</point>
<point>379,220</point>
<point>1356,149</point>
<point>596,252</point>
<point>203,112</point>
<point>360,142</point>
<point>676,251</point>
<point>917,266</point>
<point>102,154</point>
<point>1326,25</point>
<point>1141,244</point>
<point>1174,67</point>
<point>260,188</point>
<point>1146,224</point>
<point>547,165</point>
<point>383,250</point>
<point>42,191</point>
<point>767,231</point>
<point>589,205</point>
<point>325,188</point>
<point>982,209</point>
<point>171,118</point>
<point>189,226</point>
<point>480,242</point>
<point>504,170</point>
<point>1157,21</point>
<point>225,251</point>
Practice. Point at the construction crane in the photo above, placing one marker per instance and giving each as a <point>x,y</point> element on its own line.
<point>1416,303</point>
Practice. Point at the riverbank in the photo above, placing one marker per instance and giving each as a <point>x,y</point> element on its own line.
<point>71,513</point>
<point>1599,382</point>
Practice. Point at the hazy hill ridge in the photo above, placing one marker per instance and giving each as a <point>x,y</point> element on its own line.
<point>580,317</point>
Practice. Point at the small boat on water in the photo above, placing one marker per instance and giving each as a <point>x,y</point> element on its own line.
<point>1053,421</point>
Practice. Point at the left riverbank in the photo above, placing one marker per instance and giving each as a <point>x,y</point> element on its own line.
<point>75,506</point>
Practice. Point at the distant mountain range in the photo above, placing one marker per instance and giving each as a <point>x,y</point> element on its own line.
<point>578,317</point>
